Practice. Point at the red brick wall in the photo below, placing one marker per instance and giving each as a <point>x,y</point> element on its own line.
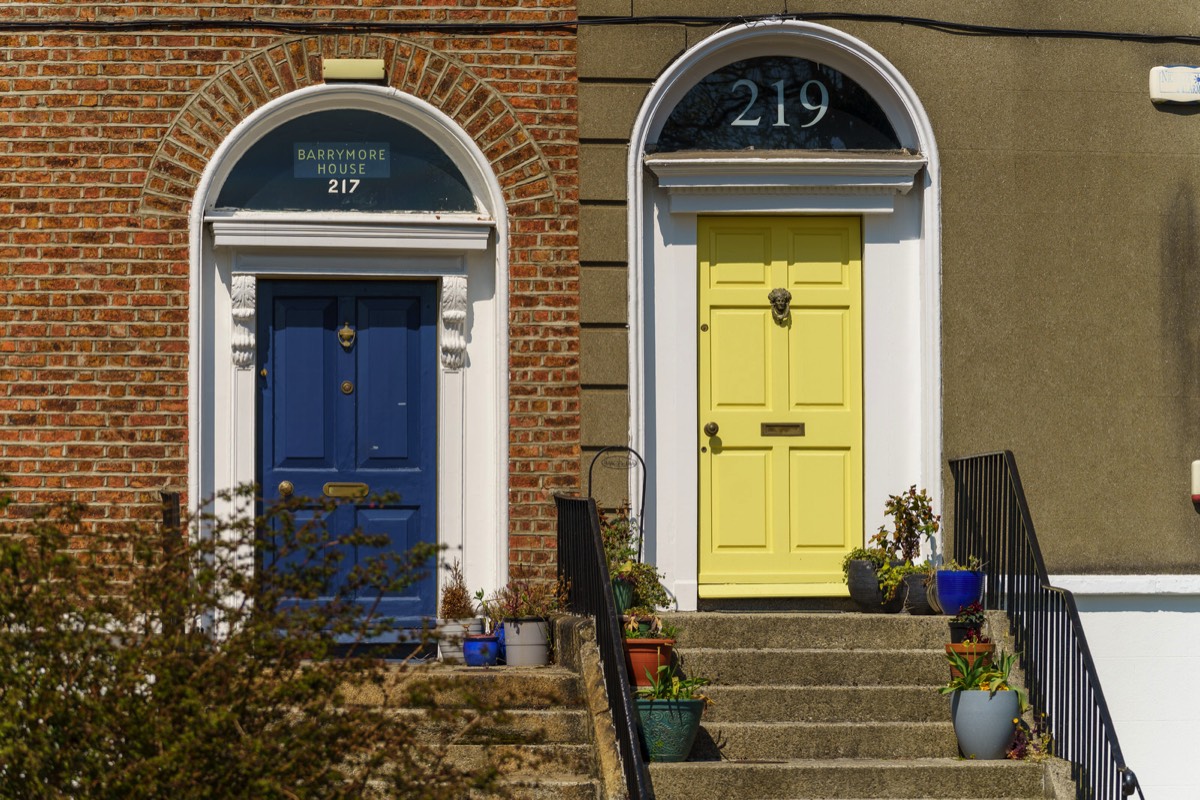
<point>103,138</point>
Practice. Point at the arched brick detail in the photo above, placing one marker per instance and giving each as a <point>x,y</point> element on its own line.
<point>447,84</point>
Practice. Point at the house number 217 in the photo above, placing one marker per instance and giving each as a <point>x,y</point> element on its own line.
<point>806,92</point>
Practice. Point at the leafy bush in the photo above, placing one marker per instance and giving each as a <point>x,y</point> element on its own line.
<point>132,670</point>
<point>622,542</point>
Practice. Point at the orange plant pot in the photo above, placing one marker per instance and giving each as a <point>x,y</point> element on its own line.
<point>644,656</point>
<point>971,653</point>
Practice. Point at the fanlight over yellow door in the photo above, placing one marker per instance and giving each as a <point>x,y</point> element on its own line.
<point>780,404</point>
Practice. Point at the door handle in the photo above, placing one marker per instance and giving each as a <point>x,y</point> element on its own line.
<point>286,488</point>
<point>345,489</point>
<point>711,429</point>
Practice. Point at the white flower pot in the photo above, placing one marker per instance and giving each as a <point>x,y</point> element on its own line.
<point>527,642</point>
<point>450,637</point>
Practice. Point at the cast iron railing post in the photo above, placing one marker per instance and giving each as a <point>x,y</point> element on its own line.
<point>992,521</point>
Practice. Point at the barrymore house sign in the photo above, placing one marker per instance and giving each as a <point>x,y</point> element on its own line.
<point>342,160</point>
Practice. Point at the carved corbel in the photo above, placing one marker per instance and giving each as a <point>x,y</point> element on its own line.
<point>454,322</point>
<point>244,291</point>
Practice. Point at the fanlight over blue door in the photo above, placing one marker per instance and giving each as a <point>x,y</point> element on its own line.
<point>348,398</point>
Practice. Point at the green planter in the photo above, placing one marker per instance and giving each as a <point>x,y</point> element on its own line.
<point>622,595</point>
<point>669,727</point>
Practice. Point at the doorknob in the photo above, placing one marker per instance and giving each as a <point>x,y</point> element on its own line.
<point>711,428</point>
<point>286,488</point>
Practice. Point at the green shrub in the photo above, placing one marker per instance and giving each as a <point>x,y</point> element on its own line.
<point>129,670</point>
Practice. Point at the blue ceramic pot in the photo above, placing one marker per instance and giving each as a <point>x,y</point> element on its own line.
<point>958,588</point>
<point>481,651</point>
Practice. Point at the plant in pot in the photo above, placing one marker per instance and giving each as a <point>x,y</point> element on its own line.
<point>669,711</point>
<point>649,645</point>
<point>959,585</point>
<point>912,521</point>
<point>622,540</point>
<point>969,623</point>
<point>524,605</point>
<point>457,616</point>
<point>984,706</point>
<point>884,576</point>
<point>649,642</point>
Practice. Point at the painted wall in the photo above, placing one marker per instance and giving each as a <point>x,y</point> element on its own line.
<point>1069,266</point>
<point>1144,633</point>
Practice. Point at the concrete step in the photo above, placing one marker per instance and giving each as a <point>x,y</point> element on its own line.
<point>847,778</point>
<point>452,685</point>
<point>737,741</point>
<point>525,762</point>
<point>546,788</point>
<point>781,703</point>
<point>765,630</point>
<point>516,726</point>
<point>887,667</point>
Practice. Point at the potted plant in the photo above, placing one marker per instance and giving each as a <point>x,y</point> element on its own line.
<point>984,707</point>
<point>968,623</point>
<point>865,570</point>
<point>884,577</point>
<point>648,648</point>
<point>524,605</point>
<point>621,538</point>
<point>669,711</point>
<point>457,617</point>
<point>959,585</point>
<point>484,649</point>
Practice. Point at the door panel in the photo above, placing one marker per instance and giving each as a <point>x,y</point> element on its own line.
<point>363,413</point>
<point>778,512</point>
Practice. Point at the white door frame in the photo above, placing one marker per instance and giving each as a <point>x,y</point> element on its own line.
<point>466,253</point>
<point>898,197</point>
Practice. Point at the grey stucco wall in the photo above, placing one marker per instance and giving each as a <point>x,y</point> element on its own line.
<point>1070,285</point>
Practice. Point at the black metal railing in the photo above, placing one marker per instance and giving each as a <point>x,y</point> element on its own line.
<point>992,522</point>
<point>581,564</point>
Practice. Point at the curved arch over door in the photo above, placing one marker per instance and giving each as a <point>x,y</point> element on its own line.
<point>896,198</point>
<point>462,254</point>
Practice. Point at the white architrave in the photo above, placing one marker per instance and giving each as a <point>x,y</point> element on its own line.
<point>899,200</point>
<point>466,254</point>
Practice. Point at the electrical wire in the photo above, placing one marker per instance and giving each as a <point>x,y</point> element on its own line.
<point>250,23</point>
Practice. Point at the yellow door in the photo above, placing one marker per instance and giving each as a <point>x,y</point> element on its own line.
<point>780,404</point>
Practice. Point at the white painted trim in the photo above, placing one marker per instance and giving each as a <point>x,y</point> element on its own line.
<point>1128,584</point>
<point>902,300</point>
<point>473,400</point>
<point>330,231</point>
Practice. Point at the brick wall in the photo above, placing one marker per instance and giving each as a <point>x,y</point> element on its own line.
<point>104,133</point>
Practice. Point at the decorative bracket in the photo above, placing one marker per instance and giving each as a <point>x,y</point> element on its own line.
<point>243,293</point>
<point>454,322</point>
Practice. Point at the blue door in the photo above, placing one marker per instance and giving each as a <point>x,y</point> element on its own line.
<point>347,406</point>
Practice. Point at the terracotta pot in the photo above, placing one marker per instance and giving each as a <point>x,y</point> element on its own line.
<point>644,656</point>
<point>971,653</point>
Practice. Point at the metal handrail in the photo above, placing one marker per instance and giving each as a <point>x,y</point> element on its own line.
<point>582,566</point>
<point>992,522</point>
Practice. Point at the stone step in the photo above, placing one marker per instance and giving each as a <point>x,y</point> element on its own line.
<point>738,741</point>
<point>847,778</point>
<point>517,726</point>
<point>546,788</point>
<point>890,667</point>
<point>765,630</point>
<point>525,762</point>
<point>781,703</point>
<point>452,685</point>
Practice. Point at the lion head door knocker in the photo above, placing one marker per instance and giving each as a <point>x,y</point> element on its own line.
<point>781,301</point>
<point>346,336</point>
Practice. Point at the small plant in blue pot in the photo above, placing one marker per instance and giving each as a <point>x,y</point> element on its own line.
<point>959,585</point>
<point>669,712</point>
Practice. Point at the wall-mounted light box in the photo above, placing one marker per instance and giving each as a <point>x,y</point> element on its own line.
<point>1175,84</point>
<point>352,69</point>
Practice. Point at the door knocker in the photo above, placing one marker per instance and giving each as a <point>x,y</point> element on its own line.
<point>781,300</point>
<point>346,336</point>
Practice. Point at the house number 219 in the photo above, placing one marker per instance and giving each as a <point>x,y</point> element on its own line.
<point>806,92</point>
